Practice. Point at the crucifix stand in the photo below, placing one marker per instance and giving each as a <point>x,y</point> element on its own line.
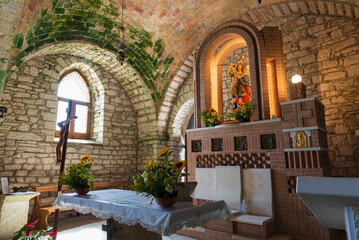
<point>61,156</point>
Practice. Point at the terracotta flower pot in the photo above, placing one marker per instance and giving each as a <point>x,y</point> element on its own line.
<point>166,202</point>
<point>83,190</point>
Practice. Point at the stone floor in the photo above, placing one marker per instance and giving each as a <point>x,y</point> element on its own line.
<point>88,227</point>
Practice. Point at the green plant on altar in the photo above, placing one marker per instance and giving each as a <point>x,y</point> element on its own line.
<point>211,117</point>
<point>230,116</point>
<point>160,177</point>
<point>244,112</point>
<point>78,175</point>
<point>27,232</point>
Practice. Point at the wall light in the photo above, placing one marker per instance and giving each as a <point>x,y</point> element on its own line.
<point>297,79</point>
<point>297,88</point>
<point>2,111</point>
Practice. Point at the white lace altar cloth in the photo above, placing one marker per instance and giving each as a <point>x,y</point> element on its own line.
<point>129,208</point>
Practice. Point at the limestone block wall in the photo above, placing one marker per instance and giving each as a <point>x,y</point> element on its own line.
<point>234,57</point>
<point>324,50</point>
<point>27,145</point>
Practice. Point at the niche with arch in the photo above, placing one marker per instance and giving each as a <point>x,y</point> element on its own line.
<point>263,62</point>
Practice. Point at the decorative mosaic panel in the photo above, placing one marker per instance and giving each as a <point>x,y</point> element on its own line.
<point>240,143</point>
<point>217,144</point>
<point>268,141</point>
<point>292,184</point>
<point>247,160</point>
<point>196,146</point>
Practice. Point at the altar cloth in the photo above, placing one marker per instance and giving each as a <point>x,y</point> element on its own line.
<point>129,208</point>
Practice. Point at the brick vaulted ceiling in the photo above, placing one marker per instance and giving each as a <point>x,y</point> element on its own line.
<point>169,30</point>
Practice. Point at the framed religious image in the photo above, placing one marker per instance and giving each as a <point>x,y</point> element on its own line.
<point>4,185</point>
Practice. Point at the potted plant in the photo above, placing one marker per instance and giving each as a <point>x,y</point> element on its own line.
<point>27,232</point>
<point>211,117</point>
<point>78,177</point>
<point>244,112</point>
<point>160,178</point>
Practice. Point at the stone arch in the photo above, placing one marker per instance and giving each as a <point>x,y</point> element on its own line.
<point>181,112</point>
<point>179,128</point>
<point>126,75</point>
<point>172,91</point>
<point>271,12</point>
<point>255,42</point>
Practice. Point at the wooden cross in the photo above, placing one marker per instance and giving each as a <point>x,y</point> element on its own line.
<point>61,156</point>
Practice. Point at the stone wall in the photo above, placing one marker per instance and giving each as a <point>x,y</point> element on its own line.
<point>27,145</point>
<point>234,57</point>
<point>325,51</point>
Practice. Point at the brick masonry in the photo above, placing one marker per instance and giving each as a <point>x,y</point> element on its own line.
<point>292,217</point>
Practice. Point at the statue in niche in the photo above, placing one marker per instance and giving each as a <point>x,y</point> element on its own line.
<point>240,84</point>
<point>300,140</point>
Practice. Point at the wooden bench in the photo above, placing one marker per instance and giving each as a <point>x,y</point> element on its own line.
<point>42,212</point>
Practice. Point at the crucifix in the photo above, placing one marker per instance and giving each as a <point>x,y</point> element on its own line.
<point>61,156</point>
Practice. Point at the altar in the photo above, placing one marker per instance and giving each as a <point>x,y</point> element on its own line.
<point>127,208</point>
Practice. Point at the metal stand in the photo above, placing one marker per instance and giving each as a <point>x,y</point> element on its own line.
<point>109,228</point>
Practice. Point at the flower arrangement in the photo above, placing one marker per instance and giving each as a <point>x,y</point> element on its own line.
<point>211,117</point>
<point>78,175</point>
<point>160,177</point>
<point>27,232</point>
<point>244,112</point>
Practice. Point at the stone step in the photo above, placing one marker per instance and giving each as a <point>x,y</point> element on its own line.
<point>273,237</point>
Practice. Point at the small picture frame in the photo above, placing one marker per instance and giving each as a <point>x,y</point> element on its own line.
<point>4,185</point>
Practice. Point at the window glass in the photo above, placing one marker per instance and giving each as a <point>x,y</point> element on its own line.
<point>72,86</point>
<point>61,112</point>
<point>81,121</point>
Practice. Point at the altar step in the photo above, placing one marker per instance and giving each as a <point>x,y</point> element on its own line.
<point>204,233</point>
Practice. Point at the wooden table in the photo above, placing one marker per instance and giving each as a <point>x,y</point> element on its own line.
<point>147,220</point>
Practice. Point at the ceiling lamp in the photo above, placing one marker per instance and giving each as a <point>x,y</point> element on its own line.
<point>121,53</point>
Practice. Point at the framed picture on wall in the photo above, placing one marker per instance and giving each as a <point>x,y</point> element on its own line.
<point>4,185</point>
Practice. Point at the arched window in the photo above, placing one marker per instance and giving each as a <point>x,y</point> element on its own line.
<point>73,86</point>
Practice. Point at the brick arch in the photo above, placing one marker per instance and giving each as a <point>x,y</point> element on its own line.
<point>183,73</point>
<point>271,12</point>
<point>255,43</point>
<point>126,76</point>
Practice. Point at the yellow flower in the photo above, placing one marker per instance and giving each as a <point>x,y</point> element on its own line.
<point>163,151</point>
<point>179,165</point>
<point>149,163</point>
<point>85,158</point>
<point>90,163</point>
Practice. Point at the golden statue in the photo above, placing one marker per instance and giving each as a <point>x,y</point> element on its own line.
<point>300,140</point>
<point>240,85</point>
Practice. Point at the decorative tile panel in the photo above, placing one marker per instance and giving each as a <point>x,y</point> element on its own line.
<point>268,141</point>
<point>247,160</point>
<point>292,184</point>
<point>217,144</point>
<point>196,145</point>
<point>240,143</point>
